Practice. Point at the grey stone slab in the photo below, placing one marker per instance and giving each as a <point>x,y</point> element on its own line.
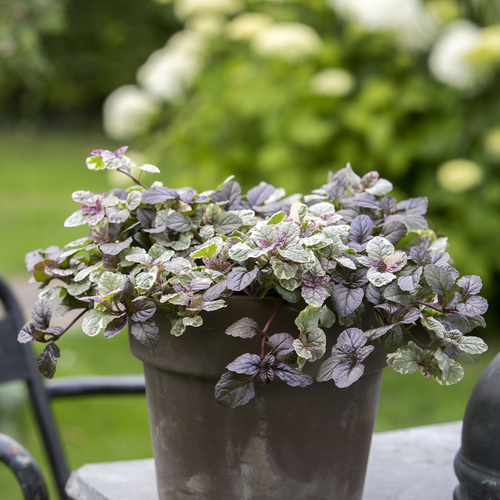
<point>127,480</point>
<point>407,464</point>
<point>414,463</point>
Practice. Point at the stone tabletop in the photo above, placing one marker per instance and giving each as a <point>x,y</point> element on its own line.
<point>407,464</point>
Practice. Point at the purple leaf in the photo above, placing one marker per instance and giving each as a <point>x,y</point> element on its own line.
<point>410,282</point>
<point>292,377</point>
<point>473,306</point>
<point>239,279</point>
<point>314,296</point>
<point>246,364</point>
<point>141,310</point>
<point>233,390</point>
<point>41,313</point>
<point>215,291</point>
<point>410,315</point>
<point>470,285</point>
<point>245,328</point>
<point>158,195</point>
<point>115,248</point>
<point>420,256</point>
<point>115,326</point>
<point>281,343</point>
<point>344,374</point>
<point>27,333</point>
<point>47,360</point>
<point>346,300</point>
<point>259,194</point>
<point>146,333</point>
<point>361,228</point>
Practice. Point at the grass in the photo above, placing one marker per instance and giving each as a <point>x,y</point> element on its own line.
<point>39,172</point>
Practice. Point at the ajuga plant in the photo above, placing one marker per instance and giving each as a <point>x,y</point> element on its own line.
<point>345,250</point>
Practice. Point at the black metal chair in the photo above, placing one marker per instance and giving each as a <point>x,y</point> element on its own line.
<point>17,362</point>
<point>24,467</point>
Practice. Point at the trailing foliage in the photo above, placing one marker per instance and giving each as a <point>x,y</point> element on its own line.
<point>346,248</point>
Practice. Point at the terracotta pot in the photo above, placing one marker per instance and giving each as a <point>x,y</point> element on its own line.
<point>288,442</point>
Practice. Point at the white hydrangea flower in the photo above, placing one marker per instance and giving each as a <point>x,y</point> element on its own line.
<point>448,59</point>
<point>247,25</point>
<point>460,175</point>
<point>186,8</point>
<point>171,70</point>
<point>332,82</point>
<point>291,42</point>
<point>413,26</point>
<point>127,112</point>
<point>208,25</point>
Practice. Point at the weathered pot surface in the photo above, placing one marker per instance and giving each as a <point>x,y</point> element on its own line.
<point>304,443</point>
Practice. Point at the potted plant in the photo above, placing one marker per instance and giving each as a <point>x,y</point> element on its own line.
<point>245,295</point>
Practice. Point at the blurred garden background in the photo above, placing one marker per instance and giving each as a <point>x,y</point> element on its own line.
<point>276,90</point>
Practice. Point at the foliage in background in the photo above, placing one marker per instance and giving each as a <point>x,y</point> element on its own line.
<point>259,88</point>
<point>65,56</point>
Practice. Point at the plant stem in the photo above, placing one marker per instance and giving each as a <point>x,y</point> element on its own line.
<point>440,309</point>
<point>266,328</point>
<point>60,334</point>
<point>137,181</point>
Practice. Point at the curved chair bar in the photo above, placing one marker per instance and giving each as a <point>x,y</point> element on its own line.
<point>24,467</point>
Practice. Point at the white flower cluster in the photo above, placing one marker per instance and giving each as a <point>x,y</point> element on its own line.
<point>413,26</point>
<point>169,71</point>
<point>165,76</point>
<point>333,82</point>
<point>186,8</point>
<point>465,55</point>
<point>459,175</point>
<point>448,58</point>
<point>128,111</point>
<point>291,42</point>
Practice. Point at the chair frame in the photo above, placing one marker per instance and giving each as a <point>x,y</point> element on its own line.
<point>17,362</point>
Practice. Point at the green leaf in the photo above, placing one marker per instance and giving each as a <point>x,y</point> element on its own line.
<point>308,319</point>
<point>311,346</point>
<point>276,218</point>
<point>227,223</point>
<point>441,278</point>
<point>394,293</point>
<point>283,269</point>
<point>77,218</point>
<point>297,254</point>
<point>379,248</point>
<point>206,251</point>
<point>239,252</point>
<point>327,317</point>
<point>452,371</point>
<point>472,345</point>
<point>404,360</point>
<point>393,339</point>
<point>110,282</point>
<point>95,322</point>
<point>133,199</point>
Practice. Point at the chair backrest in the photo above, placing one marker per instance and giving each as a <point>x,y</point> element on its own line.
<point>17,362</point>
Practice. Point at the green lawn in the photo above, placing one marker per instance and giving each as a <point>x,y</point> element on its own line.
<point>38,173</point>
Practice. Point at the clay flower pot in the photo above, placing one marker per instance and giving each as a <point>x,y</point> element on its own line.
<point>288,442</point>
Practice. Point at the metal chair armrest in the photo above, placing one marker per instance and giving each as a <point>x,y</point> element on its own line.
<point>95,385</point>
<point>24,467</point>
